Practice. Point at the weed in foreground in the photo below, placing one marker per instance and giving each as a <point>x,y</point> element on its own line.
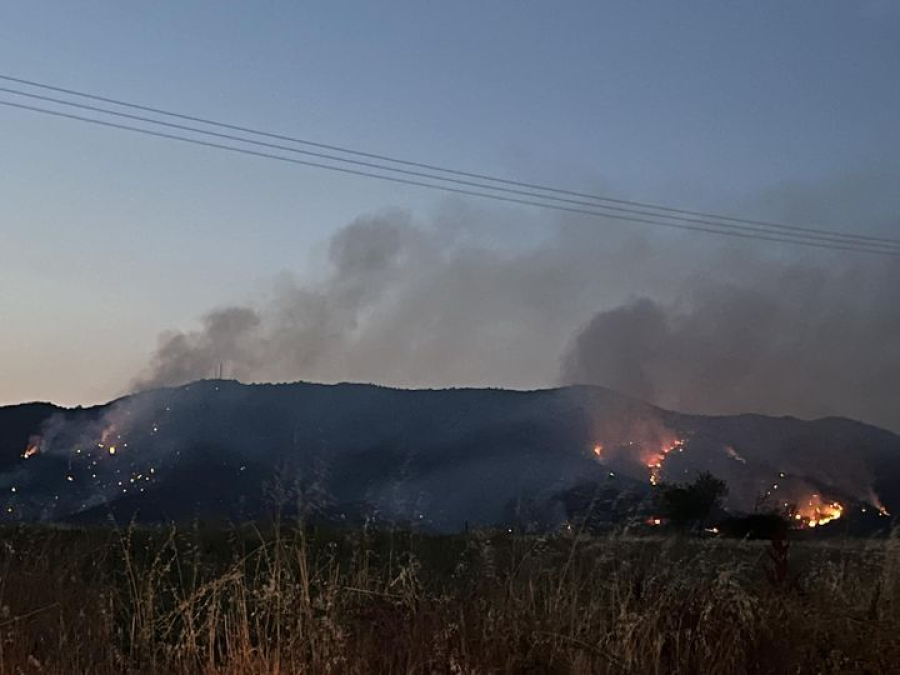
<point>299,600</point>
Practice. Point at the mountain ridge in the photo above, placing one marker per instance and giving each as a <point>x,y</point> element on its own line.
<point>445,457</point>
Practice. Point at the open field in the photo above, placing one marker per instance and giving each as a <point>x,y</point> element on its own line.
<point>284,600</point>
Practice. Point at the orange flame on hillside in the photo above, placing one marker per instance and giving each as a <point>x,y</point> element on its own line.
<point>655,460</point>
<point>815,512</point>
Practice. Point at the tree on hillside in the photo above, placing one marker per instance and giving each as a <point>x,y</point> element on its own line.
<point>687,505</point>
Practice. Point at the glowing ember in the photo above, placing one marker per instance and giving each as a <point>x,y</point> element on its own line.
<point>33,447</point>
<point>654,521</point>
<point>598,450</point>
<point>655,470</point>
<point>876,502</point>
<point>111,439</point>
<point>107,435</point>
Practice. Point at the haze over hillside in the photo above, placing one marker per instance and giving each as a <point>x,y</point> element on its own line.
<point>438,458</point>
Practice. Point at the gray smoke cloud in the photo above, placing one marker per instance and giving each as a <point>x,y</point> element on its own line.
<point>478,298</point>
<point>802,341</point>
<point>413,304</point>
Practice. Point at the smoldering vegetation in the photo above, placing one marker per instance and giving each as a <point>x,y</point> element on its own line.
<point>485,298</point>
<point>438,460</point>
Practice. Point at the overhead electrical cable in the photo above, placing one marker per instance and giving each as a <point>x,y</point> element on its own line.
<point>535,199</point>
<point>434,167</point>
<point>831,237</point>
<point>445,188</point>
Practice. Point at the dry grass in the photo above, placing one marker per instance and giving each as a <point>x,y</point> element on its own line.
<point>293,601</point>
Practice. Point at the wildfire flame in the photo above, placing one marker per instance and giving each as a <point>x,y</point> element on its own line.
<point>655,461</point>
<point>815,512</point>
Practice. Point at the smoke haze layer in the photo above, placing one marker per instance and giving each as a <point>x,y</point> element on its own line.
<point>477,298</point>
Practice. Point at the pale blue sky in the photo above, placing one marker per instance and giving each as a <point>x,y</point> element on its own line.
<point>106,239</point>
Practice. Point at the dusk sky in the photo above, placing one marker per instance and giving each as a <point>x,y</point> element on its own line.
<point>775,110</point>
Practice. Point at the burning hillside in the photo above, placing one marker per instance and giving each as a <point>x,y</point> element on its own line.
<point>791,495</point>
<point>436,458</point>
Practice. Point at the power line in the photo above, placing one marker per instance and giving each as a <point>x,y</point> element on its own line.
<point>860,248</point>
<point>831,237</point>
<point>715,218</point>
<point>445,188</point>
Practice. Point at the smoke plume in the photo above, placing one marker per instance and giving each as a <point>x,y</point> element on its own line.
<point>809,342</point>
<point>476,298</point>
